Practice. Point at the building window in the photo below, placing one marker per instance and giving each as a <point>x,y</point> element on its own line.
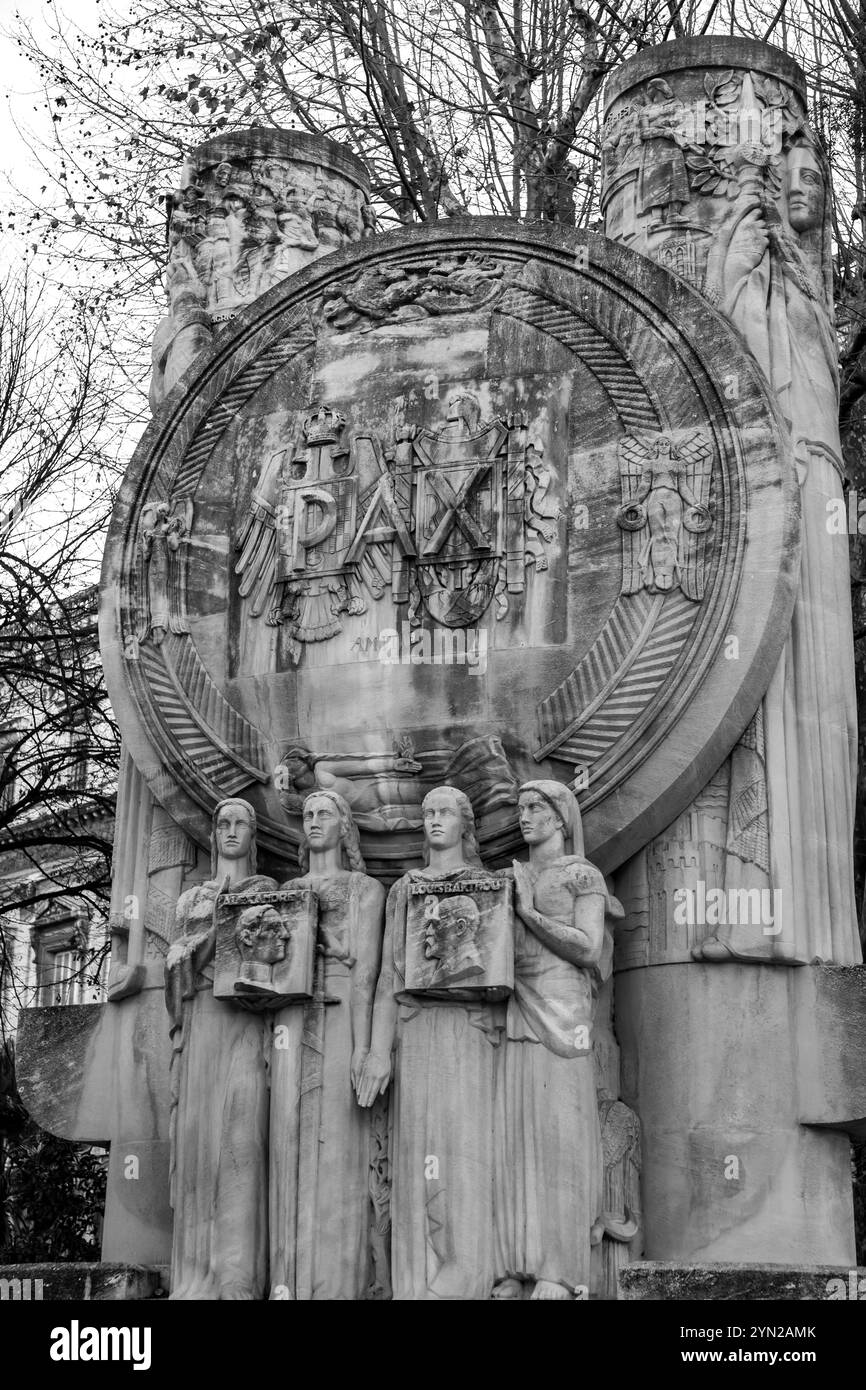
<point>60,950</point>
<point>78,751</point>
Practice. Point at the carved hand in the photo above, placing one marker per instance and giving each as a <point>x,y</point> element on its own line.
<point>184,947</point>
<point>747,248</point>
<point>359,1057</point>
<point>523,891</point>
<point>374,1079</point>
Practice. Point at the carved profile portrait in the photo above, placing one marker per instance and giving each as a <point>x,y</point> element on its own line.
<point>450,938</point>
<point>262,938</point>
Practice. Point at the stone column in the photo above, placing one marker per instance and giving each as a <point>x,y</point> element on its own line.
<point>253,207</point>
<point>710,168</point>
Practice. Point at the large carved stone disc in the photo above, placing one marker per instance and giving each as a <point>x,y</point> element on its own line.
<point>470,504</point>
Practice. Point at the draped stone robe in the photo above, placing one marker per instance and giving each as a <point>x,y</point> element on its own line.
<point>218,1119</point>
<point>442,1137</point>
<point>320,1173</point>
<point>809,712</point>
<point>549,1168</point>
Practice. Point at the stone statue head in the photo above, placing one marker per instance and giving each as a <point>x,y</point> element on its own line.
<point>234,833</point>
<point>316,831</point>
<point>299,763</point>
<point>804,189</point>
<point>449,820</point>
<point>534,797</point>
<point>663,447</point>
<point>153,514</point>
<point>262,936</point>
<point>658,89</point>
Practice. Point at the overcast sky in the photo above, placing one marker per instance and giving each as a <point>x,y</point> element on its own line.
<point>22,107</point>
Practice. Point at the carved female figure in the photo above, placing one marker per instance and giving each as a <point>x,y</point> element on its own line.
<point>320,1137</point>
<point>663,182</point>
<point>772,275</point>
<point>549,1171</point>
<point>159,538</point>
<point>219,1092</point>
<point>442,1107</point>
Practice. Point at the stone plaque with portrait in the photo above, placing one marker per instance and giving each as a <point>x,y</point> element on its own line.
<point>460,938</point>
<point>265,947</point>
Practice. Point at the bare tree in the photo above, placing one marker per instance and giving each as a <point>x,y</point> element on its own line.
<point>59,746</point>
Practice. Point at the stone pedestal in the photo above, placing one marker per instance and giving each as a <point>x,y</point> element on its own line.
<point>656,1281</point>
<point>77,1282</point>
<point>724,1065</point>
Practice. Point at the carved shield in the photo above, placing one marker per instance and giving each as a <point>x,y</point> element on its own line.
<point>567,546</point>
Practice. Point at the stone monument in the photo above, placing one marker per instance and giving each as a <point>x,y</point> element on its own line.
<point>447,547</point>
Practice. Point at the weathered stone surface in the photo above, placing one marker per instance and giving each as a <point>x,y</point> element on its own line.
<point>658,1280</point>
<point>74,1282</point>
<point>253,207</point>
<point>98,1073</point>
<point>832,1076</point>
<point>474,507</point>
<point>711,168</point>
<point>712,1062</point>
<point>272,678</point>
<point>55,1051</point>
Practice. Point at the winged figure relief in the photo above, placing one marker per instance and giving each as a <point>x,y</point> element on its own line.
<point>666,512</point>
<point>161,598</point>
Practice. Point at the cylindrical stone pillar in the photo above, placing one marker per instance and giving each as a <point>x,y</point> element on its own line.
<point>711,169</point>
<point>253,207</point>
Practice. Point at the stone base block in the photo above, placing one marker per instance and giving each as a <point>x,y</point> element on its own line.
<point>73,1282</point>
<point>662,1280</point>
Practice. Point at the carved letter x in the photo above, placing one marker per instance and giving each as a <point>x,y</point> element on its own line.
<point>456,513</point>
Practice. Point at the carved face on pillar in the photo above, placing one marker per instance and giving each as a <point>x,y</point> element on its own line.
<point>804,190</point>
